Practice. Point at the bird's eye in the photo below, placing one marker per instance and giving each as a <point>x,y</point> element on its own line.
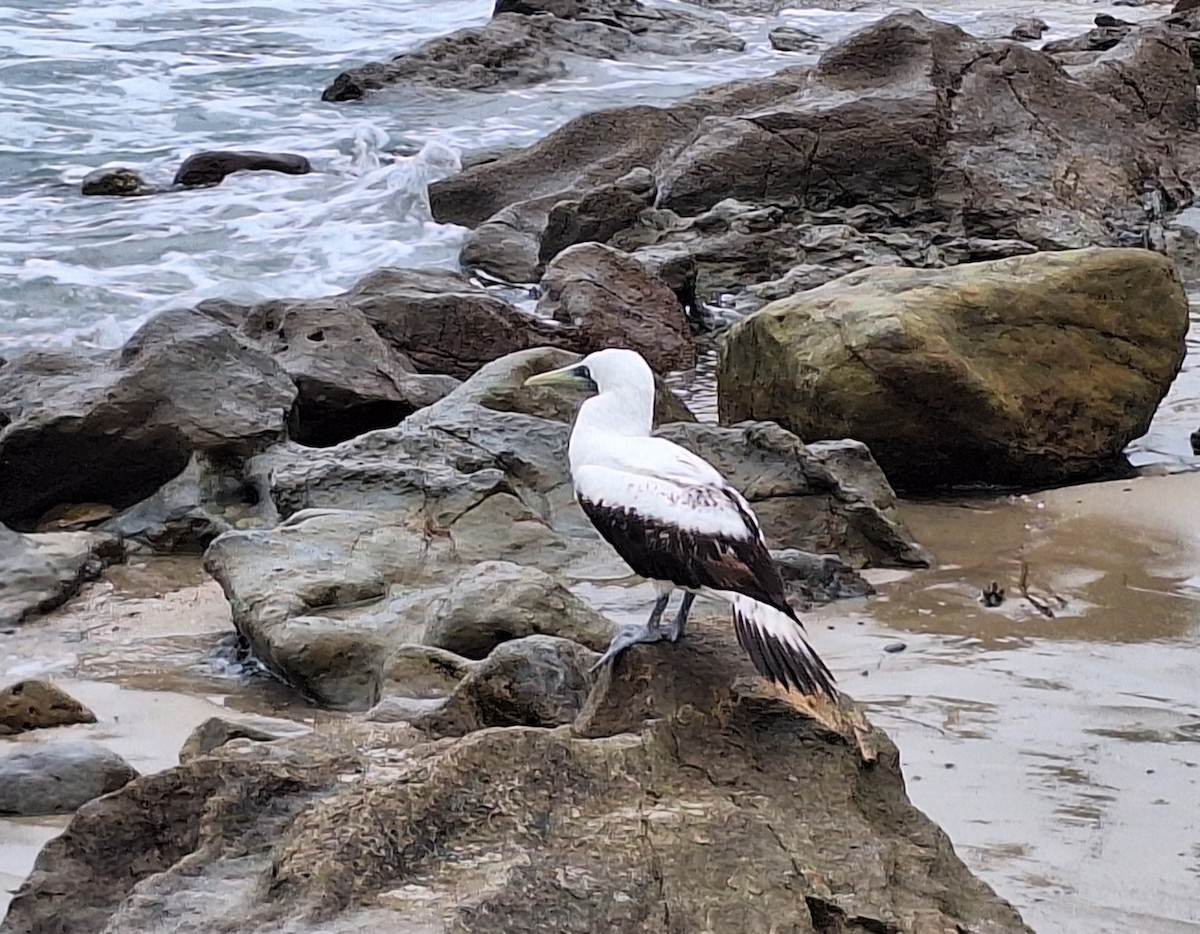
<point>583,372</point>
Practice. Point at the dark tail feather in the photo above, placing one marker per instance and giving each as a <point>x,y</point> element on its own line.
<point>776,645</point>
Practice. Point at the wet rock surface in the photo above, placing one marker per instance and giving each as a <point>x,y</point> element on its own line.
<point>58,778</point>
<point>211,168</point>
<point>967,374</point>
<point>113,428</point>
<point>39,705</point>
<point>622,819</point>
<point>41,571</point>
<point>991,149</point>
<point>533,42</point>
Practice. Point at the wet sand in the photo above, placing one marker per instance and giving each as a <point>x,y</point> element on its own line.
<point>1058,747</point>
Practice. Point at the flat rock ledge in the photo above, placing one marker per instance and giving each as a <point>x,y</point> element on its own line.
<point>684,796</point>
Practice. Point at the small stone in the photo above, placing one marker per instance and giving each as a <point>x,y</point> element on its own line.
<point>1028,29</point>
<point>59,778</point>
<point>35,705</point>
<point>113,181</point>
<point>791,39</point>
<point>894,647</point>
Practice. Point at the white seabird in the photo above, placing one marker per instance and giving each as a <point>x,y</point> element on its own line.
<point>677,522</point>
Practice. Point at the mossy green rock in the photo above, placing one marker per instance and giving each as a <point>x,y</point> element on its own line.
<point>1031,370</point>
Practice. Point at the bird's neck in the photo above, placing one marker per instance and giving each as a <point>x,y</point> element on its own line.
<point>612,414</point>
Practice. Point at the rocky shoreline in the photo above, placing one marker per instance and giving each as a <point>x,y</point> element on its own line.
<point>955,254</point>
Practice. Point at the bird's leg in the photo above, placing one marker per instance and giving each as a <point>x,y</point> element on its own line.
<point>675,628</point>
<point>632,635</point>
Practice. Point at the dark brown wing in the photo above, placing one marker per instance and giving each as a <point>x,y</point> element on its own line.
<point>658,550</point>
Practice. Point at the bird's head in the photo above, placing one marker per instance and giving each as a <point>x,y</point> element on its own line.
<point>609,370</point>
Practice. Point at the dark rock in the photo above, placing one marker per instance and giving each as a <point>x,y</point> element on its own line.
<point>187,512</point>
<point>792,39</point>
<point>58,778</point>
<point>114,181</point>
<point>819,578</point>
<point>350,380</point>
<point>963,375</point>
<point>1195,439</point>
<point>215,732</point>
<point>1105,21</point>
<point>892,648</point>
<point>567,9</point>
<point>611,298</point>
<point>597,214</point>
<point>41,571</point>
<point>1185,6</point>
<point>113,428</point>
<point>38,705</point>
<point>515,49</point>
<point>975,136</point>
<point>210,168</point>
<point>1029,29</point>
<point>623,821</point>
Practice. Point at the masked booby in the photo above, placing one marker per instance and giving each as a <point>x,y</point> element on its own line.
<point>676,522</point>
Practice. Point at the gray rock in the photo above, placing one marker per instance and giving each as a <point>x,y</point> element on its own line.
<point>792,39</point>
<point>516,49</point>
<point>1028,29</point>
<point>41,571</point>
<point>113,428</point>
<point>819,578</point>
<point>187,512</point>
<point>215,732</point>
<point>58,778</point>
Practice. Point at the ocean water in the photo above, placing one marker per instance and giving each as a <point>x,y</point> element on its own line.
<point>145,83</point>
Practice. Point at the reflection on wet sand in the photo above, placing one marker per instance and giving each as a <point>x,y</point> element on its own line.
<point>1060,750</point>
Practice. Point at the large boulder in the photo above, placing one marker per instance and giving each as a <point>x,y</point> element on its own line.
<point>115,427</point>
<point>41,571</point>
<point>533,42</point>
<point>458,530</point>
<point>946,136</point>
<point>684,796</point>
<point>1032,370</point>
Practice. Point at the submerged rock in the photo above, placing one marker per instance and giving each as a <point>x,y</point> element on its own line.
<point>39,705</point>
<point>205,169</point>
<point>792,39</point>
<point>518,48</point>
<point>457,529</point>
<point>113,428</point>
<point>1032,370</point>
<point>120,180</point>
<point>59,778</point>
<point>623,820</point>
<point>41,571</point>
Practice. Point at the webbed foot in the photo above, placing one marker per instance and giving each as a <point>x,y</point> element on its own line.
<point>628,636</point>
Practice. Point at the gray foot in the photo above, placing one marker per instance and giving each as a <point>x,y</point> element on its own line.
<point>625,637</point>
<point>675,628</point>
